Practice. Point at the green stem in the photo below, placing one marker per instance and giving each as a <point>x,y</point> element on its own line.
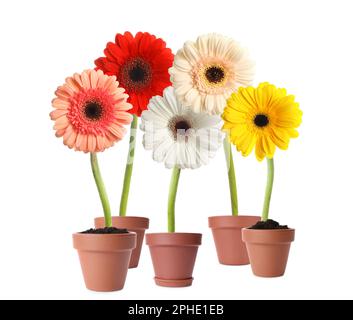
<point>171,200</point>
<point>128,169</point>
<point>231,175</point>
<point>269,185</point>
<point>101,190</point>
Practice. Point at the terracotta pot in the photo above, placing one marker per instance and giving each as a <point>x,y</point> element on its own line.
<point>133,224</point>
<point>173,257</point>
<point>104,259</point>
<point>268,250</point>
<point>226,232</point>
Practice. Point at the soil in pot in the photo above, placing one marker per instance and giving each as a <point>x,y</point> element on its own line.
<point>173,257</point>
<point>226,230</point>
<point>268,246</point>
<point>106,230</point>
<point>134,224</point>
<point>268,225</point>
<point>104,256</point>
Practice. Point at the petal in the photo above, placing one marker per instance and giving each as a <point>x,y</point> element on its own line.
<point>203,120</point>
<point>109,81</point>
<point>160,108</point>
<point>94,79</point>
<point>180,63</point>
<point>108,141</point>
<point>100,143</point>
<point>245,142</point>
<point>60,133</point>
<point>81,144</point>
<point>85,80</point>
<point>292,132</point>
<point>202,44</point>
<point>259,150</point>
<point>234,117</point>
<point>61,123</point>
<point>181,77</point>
<point>58,103</point>
<point>78,80</point>
<point>182,89</point>
<point>62,94</point>
<point>191,98</point>
<point>171,100</point>
<point>124,106</point>
<point>70,137</point>
<point>102,78</point>
<point>72,84</point>
<point>190,52</point>
<point>55,114</point>
<point>279,137</point>
<point>122,117</point>
<point>79,140</point>
<point>91,143</point>
<point>192,155</point>
<point>151,120</point>
<point>117,131</point>
<point>220,104</point>
<point>171,159</point>
<point>160,151</point>
<point>269,146</point>
<point>84,145</point>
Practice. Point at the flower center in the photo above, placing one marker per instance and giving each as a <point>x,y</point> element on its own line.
<point>93,110</point>
<point>214,74</point>
<point>136,74</point>
<point>261,120</point>
<point>182,126</point>
<point>179,127</point>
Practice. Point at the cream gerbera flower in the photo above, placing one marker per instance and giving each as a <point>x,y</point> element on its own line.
<point>178,136</point>
<point>207,71</point>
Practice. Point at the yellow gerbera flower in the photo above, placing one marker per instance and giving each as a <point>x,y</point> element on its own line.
<point>262,117</point>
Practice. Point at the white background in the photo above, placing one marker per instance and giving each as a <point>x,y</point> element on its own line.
<point>47,191</point>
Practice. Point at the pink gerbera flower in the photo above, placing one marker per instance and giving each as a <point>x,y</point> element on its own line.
<point>90,111</point>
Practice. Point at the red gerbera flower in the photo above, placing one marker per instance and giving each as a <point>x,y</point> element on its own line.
<point>141,66</point>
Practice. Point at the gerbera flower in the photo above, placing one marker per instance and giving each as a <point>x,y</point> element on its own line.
<point>264,117</point>
<point>178,136</point>
<point>207,71</point>
<point>90,111</point>
<point>140,64</point>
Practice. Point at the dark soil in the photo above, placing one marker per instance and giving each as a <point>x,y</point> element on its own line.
<point>267,225</point>
<point>110,230</point>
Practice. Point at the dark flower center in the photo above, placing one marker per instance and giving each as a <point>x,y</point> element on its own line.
<point>214,74</point>
<point>182,125</point>
<point>136,74</point>
<point>261,120</point>
<point>179,126</point>
<point>93,110</point>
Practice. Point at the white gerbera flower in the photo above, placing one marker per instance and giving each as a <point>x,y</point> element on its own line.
<point>206,72</point>
<point>178,136</point>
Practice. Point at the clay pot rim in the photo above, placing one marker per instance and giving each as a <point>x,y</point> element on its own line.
<point>217,222</point>
<point>104,234</point>
<point>173,239</point>
<point>104,242</point>
<point>198,233</point>
<point>268,236</point>
<point>142,222</point>
<point>273,230</point>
